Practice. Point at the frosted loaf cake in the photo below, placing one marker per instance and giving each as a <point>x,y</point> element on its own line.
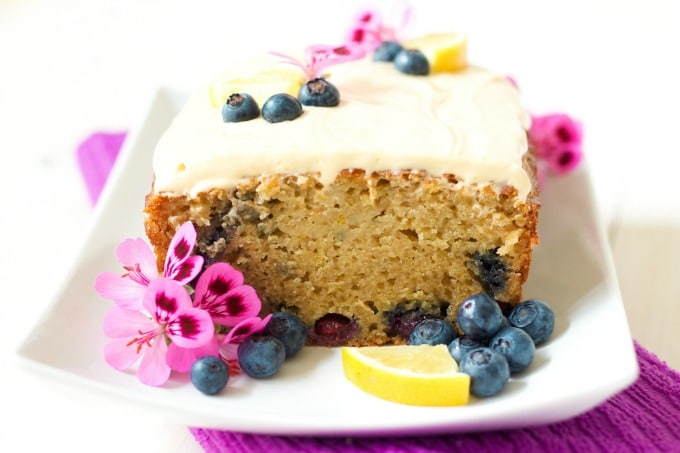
<point>412,194</point>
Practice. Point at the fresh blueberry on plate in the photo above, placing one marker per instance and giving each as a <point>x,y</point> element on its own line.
<point>261,356</point>
<point>432,331</point>
<point>488,371</point>
<point>209,374</point>
<point>516,346</point>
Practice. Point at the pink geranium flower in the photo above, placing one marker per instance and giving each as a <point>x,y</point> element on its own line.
<point>127,289</point>
<point>169,319</point>
<point>320,57</point>
<point>370,29</point>
<point>553,132</point>
<point>557,140</point>
<point>156,322</point>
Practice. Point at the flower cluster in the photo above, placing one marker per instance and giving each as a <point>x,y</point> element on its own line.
<point>155,320</point>
<point>557,140</point>
<point>319,57</point>
<point>370,29</point>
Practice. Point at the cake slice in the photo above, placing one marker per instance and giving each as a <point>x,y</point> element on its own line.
<point>409,196</point>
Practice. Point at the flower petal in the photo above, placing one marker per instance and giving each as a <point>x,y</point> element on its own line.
<point>136,252</point>
<point>152,369</point>
<point>565,159</point>
<point>237,305</point>
<point>123,291</point>
<point>164,299</point>
<point>229,353</point>
<point>188,269</point>
<point>181,359</point>
<point>119,355</point>
<point>180,249</point>
<point>246,328</point>
<point>191,328</point>
<point>320,57</point>
<point>122,323</point>
<point>216,281</point>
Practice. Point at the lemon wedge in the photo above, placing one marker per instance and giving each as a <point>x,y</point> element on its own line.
<point>446,52</point>
<point>416,375</point>
<point>260,86</point>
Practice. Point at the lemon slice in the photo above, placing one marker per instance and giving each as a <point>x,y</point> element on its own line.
<point>417,375</point>
<point>446,52</point>
<point>260,86</point>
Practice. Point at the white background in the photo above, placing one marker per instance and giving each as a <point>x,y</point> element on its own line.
<point>71,67</point>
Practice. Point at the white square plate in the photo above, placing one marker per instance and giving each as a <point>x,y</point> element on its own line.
<point>589,358</point>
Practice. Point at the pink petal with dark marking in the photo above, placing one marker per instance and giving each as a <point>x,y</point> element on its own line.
<point>216,281</point>
<point>237,305</point>
<point>188,269</point>
<point>180,249</point>
<point>191,328</point>
<point>565,159</point>
<point>164,299</point>
<point>246,328</point>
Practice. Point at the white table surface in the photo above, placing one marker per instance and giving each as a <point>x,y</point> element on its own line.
<point>71,67</point>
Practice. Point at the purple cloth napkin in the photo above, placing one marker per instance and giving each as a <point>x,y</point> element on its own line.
<point>644,417</point>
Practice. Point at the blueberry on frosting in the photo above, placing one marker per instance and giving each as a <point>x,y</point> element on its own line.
<point>240,107</point>
<point>386,51</point>
<point>281,107</point>
<point>411,61</point>
<point>319,92</point>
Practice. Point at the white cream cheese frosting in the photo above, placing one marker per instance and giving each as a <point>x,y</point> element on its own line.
<point>469,123</point>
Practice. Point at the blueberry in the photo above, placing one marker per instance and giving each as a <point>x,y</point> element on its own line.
<point>288,328</point>
<point>261,356</point>
<point>461,346</point>
<point>386,51</point>
<point>488,371</point>
<point>319,93</point>
<point>516,346</point>
<point>240,107</point>
<point>209,374</point>
<point>410,61</point>
<point>479,317</point>
<point>491,270</point>
<point>401,322</point>
<point>432,331</point>
<point>281,107</point>
<point>535,318</point>
<point>333,329</point>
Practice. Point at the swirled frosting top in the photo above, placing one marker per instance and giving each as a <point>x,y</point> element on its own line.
<point>468,123</point>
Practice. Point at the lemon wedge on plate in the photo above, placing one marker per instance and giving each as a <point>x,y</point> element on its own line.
<point>260,86</point>
<point>416,375</point>
<point>446,52</point>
